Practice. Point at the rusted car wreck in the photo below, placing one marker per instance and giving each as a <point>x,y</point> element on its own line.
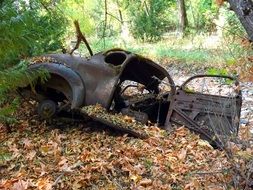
<point>121,81</point>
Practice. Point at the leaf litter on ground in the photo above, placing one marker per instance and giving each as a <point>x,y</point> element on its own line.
<point>36,156</point>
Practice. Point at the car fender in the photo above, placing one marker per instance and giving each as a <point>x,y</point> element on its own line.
<point>77,94</point>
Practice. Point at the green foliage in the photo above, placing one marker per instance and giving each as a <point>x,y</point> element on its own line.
<point>7,111</point>
<point>102,44</point>
<point>82,10</point>
<point>222,72</point>
<point>215,71</point>
<point>148,20</point>
<point>201,14</point>
<point>10,79</point>
<point>18,76</point>
<point>27,28</point>
<point>232,26</point>
<point>193,55</point>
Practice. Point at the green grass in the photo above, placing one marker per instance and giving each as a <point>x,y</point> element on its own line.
<point>182,50</point>
<point>184,55</point>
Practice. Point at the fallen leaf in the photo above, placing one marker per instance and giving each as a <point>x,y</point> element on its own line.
<point>20,185</point>
<point>43,169</point>
<point>182,154</point>
<point>63,164</point>
<point>44,184</point>
<point>135,178</point>
<point>27,144</point>
<point>145,182</point>
<point>31,155</point>
<point>204,143</point>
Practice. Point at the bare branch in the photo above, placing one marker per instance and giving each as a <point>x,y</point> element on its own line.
<point>80,37</point>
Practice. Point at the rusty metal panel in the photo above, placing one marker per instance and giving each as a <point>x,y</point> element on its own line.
<point>74,90</point>
<point>99,77</point>
<point>213,117</point>
<point>101,73</point>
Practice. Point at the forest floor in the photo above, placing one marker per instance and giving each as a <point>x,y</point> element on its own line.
<point>37,155</point>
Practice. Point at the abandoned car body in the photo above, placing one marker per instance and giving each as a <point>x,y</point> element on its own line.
<point>106,79</point>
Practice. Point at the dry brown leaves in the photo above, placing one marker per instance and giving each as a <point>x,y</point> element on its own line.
<point>84,158</point>
<point>247,75</point>
<point>220,2</point>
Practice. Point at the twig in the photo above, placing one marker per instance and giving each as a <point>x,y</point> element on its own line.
<point>249,178</point>
<point>105,21</point>
<point>114,17</point>
<point>77,164</point>
<point>44,6</point>
<point>209,173</point>
<point>80,37</point>
<point>58,179</point>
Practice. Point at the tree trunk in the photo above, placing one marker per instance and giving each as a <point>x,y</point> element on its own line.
<point>244,11</point>
<point>183,22</point>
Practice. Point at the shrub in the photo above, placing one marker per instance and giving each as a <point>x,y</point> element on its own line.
<point>27,28</point>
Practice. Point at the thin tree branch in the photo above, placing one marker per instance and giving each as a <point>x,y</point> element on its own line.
<point>80,37</point>
<point>69,169</point>
<point>105,21</point>
<point>114,17</point>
